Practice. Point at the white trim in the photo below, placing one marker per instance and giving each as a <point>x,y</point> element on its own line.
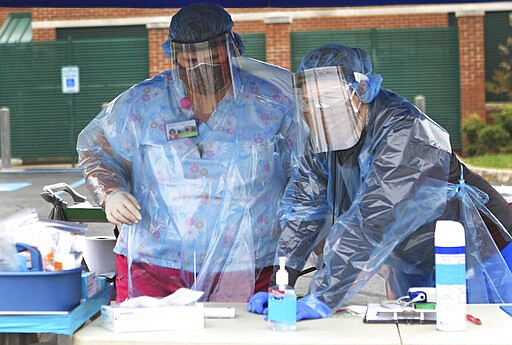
<point>277,20</point>
<point>51,24</point>
<point>163,22</point>
<point>469,14</point>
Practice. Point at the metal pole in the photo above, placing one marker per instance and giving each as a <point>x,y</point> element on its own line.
<point>419,101</point>
<point>5,137</point>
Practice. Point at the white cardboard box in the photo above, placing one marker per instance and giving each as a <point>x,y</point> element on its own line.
<point>165,318</point>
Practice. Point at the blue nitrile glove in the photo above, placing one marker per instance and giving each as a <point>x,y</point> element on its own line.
<point>258,303</point>
<point>310,307</point>
<point>507,255</point>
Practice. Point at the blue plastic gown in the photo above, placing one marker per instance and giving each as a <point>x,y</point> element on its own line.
<point>376,205</point>
<point>209,202</point>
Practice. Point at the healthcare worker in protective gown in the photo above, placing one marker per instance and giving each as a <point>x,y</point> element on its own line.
<point>193,163</point>
<point>375,175</point>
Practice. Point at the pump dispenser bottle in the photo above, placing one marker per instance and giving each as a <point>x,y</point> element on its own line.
<point>282,302</point>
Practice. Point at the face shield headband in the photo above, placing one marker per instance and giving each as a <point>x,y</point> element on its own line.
<point>208,69</point>
<point>330,108</point>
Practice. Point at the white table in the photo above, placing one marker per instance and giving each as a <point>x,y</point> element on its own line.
<point>249,328</point>
<point>495,329</point>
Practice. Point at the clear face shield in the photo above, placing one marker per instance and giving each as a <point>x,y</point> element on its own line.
<point>330,108</point>
<point>208,69</point>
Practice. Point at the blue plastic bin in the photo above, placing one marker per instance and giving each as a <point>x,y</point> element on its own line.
<point>40,290</point>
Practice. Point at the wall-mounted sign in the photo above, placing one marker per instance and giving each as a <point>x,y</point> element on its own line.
<point>70,79</point>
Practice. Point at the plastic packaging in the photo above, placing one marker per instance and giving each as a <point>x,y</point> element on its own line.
<point>226,182</point>
<point>282,302</point>
<point>450,260</point>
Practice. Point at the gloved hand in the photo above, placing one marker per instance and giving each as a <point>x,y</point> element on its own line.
<point>310,307</point>
<point>122,208</point>
<point>507,255</point>
<point>258,303</point>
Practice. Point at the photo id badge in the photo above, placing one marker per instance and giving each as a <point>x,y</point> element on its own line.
<point>179,130</point>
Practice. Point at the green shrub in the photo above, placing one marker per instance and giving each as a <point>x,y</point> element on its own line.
<point>471,127</point>
<point>493,139</point>
<point>483,138</point>
<point>504,118</point>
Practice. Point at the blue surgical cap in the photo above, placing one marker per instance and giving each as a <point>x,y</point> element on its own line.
<point>201,22</point>
<point>354,63</point>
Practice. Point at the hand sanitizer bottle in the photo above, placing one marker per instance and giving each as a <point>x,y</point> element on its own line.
<point>450,259</point>
<point>282,302</point>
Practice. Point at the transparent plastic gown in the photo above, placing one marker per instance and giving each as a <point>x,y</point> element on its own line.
<point>376,204</point>
<point>209,198</point>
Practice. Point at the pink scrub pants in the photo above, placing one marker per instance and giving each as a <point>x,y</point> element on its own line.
<point>157,281</point>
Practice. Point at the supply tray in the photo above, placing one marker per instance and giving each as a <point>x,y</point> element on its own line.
<point>55,322</point>
<point>37,291</point>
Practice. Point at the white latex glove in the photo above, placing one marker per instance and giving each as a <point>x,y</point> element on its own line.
<point>122,208</point>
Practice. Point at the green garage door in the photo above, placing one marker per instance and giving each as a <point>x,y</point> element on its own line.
<point>111,59</point>
<point>255,46</point>
<point>44,121</point>
<point>423,61</point>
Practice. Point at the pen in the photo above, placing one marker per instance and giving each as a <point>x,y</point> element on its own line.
<point>473,319</point>
<point>199,149</point>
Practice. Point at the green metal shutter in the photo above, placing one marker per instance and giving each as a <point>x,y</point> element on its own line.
<point>44,121</point>
<point>111,59</point>
<point>31,87</point>
<point>255,46</point>
<point>107,68</point>
<point>302,43</point>
<point>423,61</point>
<point>497,29</point>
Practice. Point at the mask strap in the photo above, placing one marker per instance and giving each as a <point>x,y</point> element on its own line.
<point>354,108</point>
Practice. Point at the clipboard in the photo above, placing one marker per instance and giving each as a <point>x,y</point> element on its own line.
<point>377,313</point>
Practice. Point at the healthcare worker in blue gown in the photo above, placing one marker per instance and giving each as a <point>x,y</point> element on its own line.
<point>198,208</point>
<point>374,176</point>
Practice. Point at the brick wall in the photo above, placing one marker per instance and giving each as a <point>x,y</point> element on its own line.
<point>44,35</point>
<point>157,60</point>
<point>472,65</point>
<point>4,13</point>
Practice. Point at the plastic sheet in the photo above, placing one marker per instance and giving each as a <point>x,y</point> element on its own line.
<point>57,241</point>
<point>376,204</point>
<point>209,202</point>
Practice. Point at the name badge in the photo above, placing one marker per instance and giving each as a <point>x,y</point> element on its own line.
<point>179,130</point>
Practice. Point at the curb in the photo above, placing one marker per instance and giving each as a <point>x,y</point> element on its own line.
<point>494,176</point>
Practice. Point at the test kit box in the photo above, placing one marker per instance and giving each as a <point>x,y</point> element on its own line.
<point>165,318</point>
<point>89,285</point>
